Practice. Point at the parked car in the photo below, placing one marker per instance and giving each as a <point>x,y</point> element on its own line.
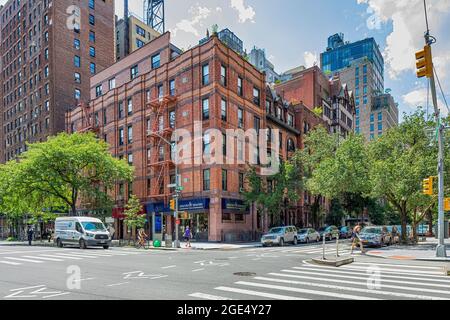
<point>330,233</point>
<point>82,231</point>
<point>279,236</point>
<point>345,232</point>
<point>308,235</point>
<point>375,236</point>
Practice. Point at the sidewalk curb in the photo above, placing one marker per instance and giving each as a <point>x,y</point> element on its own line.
<point>412,258</point>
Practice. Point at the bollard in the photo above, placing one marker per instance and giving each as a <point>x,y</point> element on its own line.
<point>323,244</point>
<point>337,247</point>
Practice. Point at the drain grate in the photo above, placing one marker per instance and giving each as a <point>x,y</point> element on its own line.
<point>245,274</point>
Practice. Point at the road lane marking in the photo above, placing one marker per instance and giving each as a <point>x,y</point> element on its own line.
<point>42,258</point>
<point>26,288</point>
<point>299,290</point>
<point>197,270</point>
<point>168,267</point>
<point>11,263</point>
<point>207,296</point>
<point>87,279</point>
<point>24,260</point>
<point>77,255</point>
<point>56,295</point>
<point>117,284</point>
<point>259,294</point>
<point>389,270</point>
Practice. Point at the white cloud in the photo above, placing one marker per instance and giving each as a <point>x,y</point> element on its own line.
<point>408,24</point>
<point>421,97</point>
<point>245,12</point>
<point>199,14</point>
<point>311,59</point>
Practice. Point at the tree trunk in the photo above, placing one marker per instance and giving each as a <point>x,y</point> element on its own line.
<point>403,215</point>
<point>430,223</point>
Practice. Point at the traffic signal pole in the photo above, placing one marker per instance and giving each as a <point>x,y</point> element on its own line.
<point>425,68</point>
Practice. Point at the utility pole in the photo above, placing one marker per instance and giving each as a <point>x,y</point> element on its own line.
<point>425,69</point>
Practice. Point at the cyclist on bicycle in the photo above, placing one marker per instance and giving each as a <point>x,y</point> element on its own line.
<point>142,236</point>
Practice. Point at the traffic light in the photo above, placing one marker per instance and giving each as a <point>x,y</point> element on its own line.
<point>447,204</point>
<point>172,204</point>
<point>424,63</point>
<point>428,186</point>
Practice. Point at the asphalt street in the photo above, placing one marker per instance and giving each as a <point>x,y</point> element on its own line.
<point>284,273</point>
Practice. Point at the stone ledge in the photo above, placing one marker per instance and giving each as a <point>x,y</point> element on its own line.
<point>333,262</point>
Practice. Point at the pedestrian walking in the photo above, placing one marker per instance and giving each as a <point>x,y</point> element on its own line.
<point>30,235</point>
<point>356,240</point>
<point>187,237</point>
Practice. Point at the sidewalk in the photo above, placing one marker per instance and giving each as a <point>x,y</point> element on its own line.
<point>115,243</point>
<point>424,251</point>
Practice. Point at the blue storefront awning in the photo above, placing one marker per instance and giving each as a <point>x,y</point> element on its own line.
<point>235,206</point>
<point>188,205</point>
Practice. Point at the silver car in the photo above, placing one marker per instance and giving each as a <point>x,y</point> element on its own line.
<point>308,235</point>
<point>279,236</point>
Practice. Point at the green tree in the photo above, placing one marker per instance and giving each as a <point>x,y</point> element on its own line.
<point>134,219</point>
<point>62,170</point>
<point>401,159</point>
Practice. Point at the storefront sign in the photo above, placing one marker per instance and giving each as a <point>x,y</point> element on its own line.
<point>235,206</point>
<point>183,205</point>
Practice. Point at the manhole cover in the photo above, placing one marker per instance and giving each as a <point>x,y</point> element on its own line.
<point>245,274</point>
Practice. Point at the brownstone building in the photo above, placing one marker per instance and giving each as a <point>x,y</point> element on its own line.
<point>49,50</point>
<point>159,90</point>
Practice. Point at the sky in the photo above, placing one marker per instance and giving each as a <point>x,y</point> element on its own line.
<point>295,32</point>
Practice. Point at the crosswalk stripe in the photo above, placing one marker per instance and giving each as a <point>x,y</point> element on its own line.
<point>77,255</point>
<point>11,263</point>
<point>207,296</point>
<point>364,283</point>
<point>326,286</point>
<point>300,290</point>
<point>92,254</point>
<point>62,256</point>
<point>259,294</point>
<point>42,258</point>
<point>24,260</point>
<point>364,277</point>
<point>389,270</point>
<point>404,275</point>
<point>398,265</point>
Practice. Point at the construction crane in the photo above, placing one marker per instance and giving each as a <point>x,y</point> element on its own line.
<point>154,14</point>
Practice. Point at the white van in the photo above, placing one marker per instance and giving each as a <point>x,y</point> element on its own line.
<point>82,231</point>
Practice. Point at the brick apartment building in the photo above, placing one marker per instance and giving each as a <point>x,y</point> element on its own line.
<point>49,50</point>
<point>137,103</point>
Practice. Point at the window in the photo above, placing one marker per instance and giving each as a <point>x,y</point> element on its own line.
<point>290,120</point>
<point>121,137</point>
<point>130,106</point>
<point>156,61</point>
<point>357,101</point>
<point>130,134</point>
<point>206,145</point>
<point>224,144</point>
<point>224,180</point>
<point>46,72</point>
<point>256,96</point>
<point>241,182</point>
<point>206,180</point>
<point>279,113</point>
<point>372,118</point>
<point>205,74</point>
<point>134,72</point>
<point>240,86</point>
<point>121,114</point>
<point>92,51</point>
<point>268,107</point>
<point>224,110</point>
<point>223,75</point>
<point>239,217</point>
<point>92,36</point>
<point>172,116</point>
<point>77,77</point>
<point>130,159</point>
<point>365,69</point>
<point>91,20</point>
<point>139,43</point>
<point>281,140</point>
<point>92,4</point>
<point>226,216</point>
<point>372,127</point>
<point>140,31</point>
<point>77,94</point>
<point>241,118</point>
<point>256,124</point>
<point>160,91</point>
<point>98,91</point>
<point>92,68</point>
<point>46,54</point>
<point>205,109</point>
<point>380,116</point>
<point>112,83</point>
<point>290,145</point>
<point>77,61</point>
<point>365,100</point>
<point>76,44</point>
<point>172,87</point>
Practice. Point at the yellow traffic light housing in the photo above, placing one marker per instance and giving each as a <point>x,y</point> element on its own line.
<point>447,204</point>
<point>428,186</point>
<point>172,204</point>
<point>424,63</point>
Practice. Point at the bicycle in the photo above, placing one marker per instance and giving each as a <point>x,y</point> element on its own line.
<point>142,243</point>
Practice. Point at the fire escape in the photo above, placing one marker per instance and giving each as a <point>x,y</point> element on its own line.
<point>87,121</point>
<point>159,137</point>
